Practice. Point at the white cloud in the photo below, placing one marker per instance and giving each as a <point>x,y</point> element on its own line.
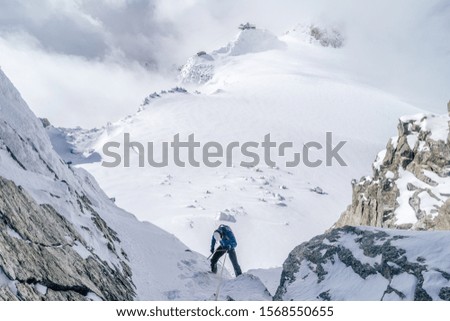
<point>71,90</point>
<point>56,50</point>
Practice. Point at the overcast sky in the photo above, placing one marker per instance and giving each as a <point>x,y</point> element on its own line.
<point>100,58</point>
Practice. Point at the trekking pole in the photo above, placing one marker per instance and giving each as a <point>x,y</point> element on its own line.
<point>213,253</point>
<point>220,279</point>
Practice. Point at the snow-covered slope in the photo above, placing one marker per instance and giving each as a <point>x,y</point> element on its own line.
<point>297,92</point>
<point>269,277</point>
<point>365,263</point>
<point>61,237</point>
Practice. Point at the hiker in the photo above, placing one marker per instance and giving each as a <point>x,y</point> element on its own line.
<point>225,237</point>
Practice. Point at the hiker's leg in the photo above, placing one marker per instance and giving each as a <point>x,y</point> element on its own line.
<point>234,261</point>
<point>215,258</point>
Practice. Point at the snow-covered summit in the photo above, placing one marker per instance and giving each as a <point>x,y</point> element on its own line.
<point>251,41</point>
<point>200,68</point>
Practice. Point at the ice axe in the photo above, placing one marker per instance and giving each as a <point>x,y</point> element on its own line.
<point>211,255</point>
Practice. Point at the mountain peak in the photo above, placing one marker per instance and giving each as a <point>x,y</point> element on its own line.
<point>200,68</point>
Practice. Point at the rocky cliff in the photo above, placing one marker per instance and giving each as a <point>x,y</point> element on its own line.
<point>410,185</point>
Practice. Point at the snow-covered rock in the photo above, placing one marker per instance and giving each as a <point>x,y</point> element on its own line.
<point>362,263</point>
<point>246,287</point>
<point>198,69</point>
<point>313,34</point>
<point>72,144</point>
<point>162,93</point>
<point>410,186</point>
<point>226,216</point>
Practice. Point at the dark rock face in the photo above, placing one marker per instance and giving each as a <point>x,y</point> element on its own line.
<point>412,168</point>
<point>352,263</point>
<point>444,294</point>
<point>40,249</point>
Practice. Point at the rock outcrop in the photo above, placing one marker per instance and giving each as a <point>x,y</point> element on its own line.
<point>45,258</point>
<point>362,263</point>
<point>409,188</point>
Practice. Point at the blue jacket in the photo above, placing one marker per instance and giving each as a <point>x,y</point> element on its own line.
<point>228,240</point>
